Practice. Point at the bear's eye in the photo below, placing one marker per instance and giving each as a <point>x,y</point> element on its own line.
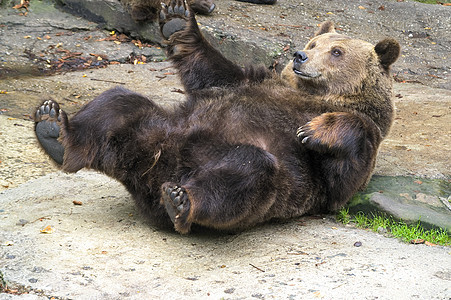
<point>336,52</point>
<point>312,45</point>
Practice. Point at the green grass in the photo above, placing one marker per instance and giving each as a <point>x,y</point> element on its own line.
<point>398,229</point>
<point>433,1</point>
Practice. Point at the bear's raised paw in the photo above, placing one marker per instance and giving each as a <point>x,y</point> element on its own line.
<point>177,204</point>
<point>173,17</point>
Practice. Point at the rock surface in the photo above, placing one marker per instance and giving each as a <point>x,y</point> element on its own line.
<point>102,249</point>
<point>260,33</point>
<point>408,198</point>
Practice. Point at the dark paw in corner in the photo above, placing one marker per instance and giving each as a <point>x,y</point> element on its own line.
<point>177,204</point>
<point>203,7</point>
<point>48,121</point>
<point>173,17</point>
<point>260,1</point>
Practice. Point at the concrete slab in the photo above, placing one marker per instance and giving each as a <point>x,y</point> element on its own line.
<point>103,249</point>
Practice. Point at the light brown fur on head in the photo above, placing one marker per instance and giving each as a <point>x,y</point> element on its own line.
<point>347,71</point>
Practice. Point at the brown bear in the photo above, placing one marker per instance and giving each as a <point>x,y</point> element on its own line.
<point>246,146</point>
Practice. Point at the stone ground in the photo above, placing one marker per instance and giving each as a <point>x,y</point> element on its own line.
<point>102,249</point>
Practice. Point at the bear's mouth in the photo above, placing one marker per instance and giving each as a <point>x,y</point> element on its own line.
<point>306,75</point>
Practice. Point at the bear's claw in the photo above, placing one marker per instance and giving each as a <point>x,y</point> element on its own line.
<point>311,138</point>
<point>302,133</point>
<point>177,204</point>
<point>173,17</point>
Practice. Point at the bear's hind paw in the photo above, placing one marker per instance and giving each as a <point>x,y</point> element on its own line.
<point>48,122</point>
<point>177,204</point>
<point>49,110</point>
<point>173,17</point>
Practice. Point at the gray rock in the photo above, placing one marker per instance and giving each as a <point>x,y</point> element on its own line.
<point>237,44</point>
<point>35,44</point>
<point>410,199</point>
<point>112,15</point>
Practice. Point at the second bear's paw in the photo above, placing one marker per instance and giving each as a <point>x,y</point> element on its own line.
<point>173,17</point>
<point>177,204</point>
<point>203,7</point>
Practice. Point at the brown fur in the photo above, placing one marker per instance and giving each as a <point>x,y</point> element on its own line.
<point>232,145</point>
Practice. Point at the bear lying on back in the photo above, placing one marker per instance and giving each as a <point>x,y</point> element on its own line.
<point>246,146</point>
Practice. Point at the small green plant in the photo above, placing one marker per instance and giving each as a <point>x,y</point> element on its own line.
<point>433,1</point>
<point>399,229</point>
<point>343,216</point>
<point>361,220</point>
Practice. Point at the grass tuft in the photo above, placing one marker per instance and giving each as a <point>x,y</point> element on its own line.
<point>398,229</point>
<point>433,1</point>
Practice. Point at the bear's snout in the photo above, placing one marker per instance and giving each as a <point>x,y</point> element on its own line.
<point>300,57</point>
<point>299,67</point>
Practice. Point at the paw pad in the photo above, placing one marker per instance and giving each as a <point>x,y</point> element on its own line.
<point>173,17</point>
<point>47,128</point>
<point>178,196</point>
<point>176,202</point>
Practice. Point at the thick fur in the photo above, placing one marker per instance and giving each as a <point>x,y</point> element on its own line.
<point>246,146</point>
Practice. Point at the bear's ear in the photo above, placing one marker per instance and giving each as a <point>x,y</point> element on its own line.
<point>326,27</point>
<point>388,51</point>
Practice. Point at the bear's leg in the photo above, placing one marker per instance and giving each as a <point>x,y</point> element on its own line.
<point>200,65</point>
<point>48,122</point>
<point>346,145</point>
<point>97,136</point>
<point>227,187</point>
<point>119,133</point>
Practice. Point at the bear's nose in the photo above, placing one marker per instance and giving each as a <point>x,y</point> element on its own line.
<point>300,57</point>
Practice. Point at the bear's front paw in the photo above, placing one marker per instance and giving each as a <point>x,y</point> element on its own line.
<point>314,136</point>
<point>174,15</point>
<point>337,133</point>
<point>177,204</point>
<point>328,133</point>
<point>48,122</point>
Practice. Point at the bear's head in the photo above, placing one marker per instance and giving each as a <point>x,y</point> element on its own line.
<point>334,64</point>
